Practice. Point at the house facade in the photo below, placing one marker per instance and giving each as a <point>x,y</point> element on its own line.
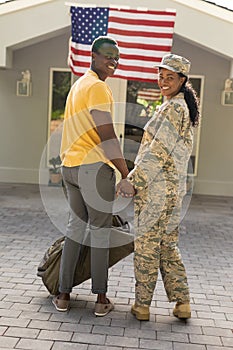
<point>34,38</point>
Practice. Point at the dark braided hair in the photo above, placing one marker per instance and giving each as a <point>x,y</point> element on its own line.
<point>191,99</point>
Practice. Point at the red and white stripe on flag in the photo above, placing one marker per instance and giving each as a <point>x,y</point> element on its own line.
<point>149,94</point>
<point>143,37</point>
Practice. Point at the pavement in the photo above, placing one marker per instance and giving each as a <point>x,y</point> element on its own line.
<point>28,320</point>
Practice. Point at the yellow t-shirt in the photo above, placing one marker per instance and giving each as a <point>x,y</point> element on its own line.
<point>80,142</point>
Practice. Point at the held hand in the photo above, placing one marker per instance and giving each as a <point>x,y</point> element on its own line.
<point>125,189</point>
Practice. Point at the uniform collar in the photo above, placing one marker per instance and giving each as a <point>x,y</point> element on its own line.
<point>179,95</point>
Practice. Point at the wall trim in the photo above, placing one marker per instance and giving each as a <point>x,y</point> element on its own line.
<point>19,175</point>
<point>216,188</point>
<point>9,7</point>
<point>32,176</point>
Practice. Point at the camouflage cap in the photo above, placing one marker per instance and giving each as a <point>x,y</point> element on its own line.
<point>175,63</point>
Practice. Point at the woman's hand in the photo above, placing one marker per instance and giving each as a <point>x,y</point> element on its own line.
<point>125,189</point>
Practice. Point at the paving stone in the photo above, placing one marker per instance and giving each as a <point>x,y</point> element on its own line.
<point>229,317</point>
<point>8,342</point>
<point>97,339</point>
<point>139,333</point>
<point>40,301</point>
<point>226,303</point>
<point>75,327</point>
<point>37,315</point>
<point>126,348</point>
<point>222,309</point>
<point>49,325</point>
<point>211,347</point>
<point>189,329</point>
<point>101,347</point>
<point>25,281</point>
<point>181,337</point>
<point>12,292</point>
<point>211,315</point>
<point>9,313</point>
<point>2,330</point>
<point>182,346</point>
<point>130,323</point>
<point>27,287</point>
<point>17,299</point>
<point>164,327</point>
<point>121,341</point>
<point>108,330</point>
<point>220,332</point>
<point>64,317</point>
<point>205,339</point>
<point>200,308</point>
<point>203,302</point>
<point>34,344</point>
<point>227,341</point>
<point>6,286</point>
<point>17,322</point>
<point>22,332</point>
<point>91,319</point>
<point>26,308</point>
<point>223,324</point>
<point>69,346</point>
<point>160,311</point>
<point>55,335</point>
<point>201,322</point>
<point>156,344</point>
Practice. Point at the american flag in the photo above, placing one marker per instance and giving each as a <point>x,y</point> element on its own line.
<point>143,37</point>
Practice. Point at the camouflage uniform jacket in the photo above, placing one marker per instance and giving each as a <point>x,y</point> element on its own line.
<point>165,148</point>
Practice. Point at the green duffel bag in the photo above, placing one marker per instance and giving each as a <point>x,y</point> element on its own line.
<point>121,245</point>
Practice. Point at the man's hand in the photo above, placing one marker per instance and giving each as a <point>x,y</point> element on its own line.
<point>125,189</point>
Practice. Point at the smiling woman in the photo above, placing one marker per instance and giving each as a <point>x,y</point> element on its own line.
<point>169,82</point>
<point>160,181</point>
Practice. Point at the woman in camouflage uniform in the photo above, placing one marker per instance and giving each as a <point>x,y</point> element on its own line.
<point>159,178</point>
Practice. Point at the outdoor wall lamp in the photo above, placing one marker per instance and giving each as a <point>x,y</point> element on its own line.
<point>24,86</point>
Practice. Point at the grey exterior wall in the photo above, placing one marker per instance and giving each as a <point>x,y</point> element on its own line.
<point>24,120</point>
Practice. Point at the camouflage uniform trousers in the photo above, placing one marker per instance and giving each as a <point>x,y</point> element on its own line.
<point>157,218</point>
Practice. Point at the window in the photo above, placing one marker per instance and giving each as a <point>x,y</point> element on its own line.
<point>198,84</point>
<point>60,83</point>
<point>142,99</point>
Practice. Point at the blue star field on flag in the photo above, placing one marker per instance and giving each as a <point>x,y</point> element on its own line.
<point>88,23</point>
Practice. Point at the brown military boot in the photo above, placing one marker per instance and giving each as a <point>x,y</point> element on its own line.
<point>142,313</point>
<point>182,310</point>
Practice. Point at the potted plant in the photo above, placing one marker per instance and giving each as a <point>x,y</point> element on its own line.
<point>55,176</point>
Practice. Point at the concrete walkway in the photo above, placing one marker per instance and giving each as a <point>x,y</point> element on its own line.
<point>28,320</point>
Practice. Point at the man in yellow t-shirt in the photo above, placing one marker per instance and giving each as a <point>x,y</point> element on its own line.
<point>90,151</point>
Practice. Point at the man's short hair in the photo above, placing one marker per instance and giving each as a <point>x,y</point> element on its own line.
<point>98,42</point>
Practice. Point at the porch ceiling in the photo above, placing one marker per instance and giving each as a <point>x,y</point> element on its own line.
<point>197,21</point>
